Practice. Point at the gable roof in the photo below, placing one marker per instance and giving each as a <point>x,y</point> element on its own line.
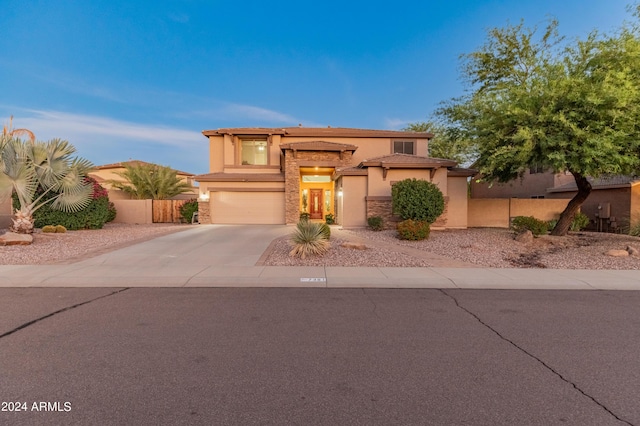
<point>122,164</point>
<point>407,161</point>
<point>318,146</point>
<point>318,132</point>
<point>604,182</point>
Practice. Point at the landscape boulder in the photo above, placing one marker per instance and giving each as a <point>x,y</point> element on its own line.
<point>633,251</point>
<point>617,253</point>
<point>525,237</point>
<point>13,239</point>
<point>357,246</point>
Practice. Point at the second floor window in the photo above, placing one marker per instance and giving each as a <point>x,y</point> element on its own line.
<point>254,152</point>
<point>403,147</point>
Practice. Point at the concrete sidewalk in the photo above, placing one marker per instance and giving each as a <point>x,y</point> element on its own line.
<point>210,256</point>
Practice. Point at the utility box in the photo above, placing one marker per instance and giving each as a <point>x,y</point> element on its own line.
<point>604,210</point>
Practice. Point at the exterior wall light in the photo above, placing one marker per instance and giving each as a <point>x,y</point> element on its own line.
<point>340,192</point>
<point>204,196</point>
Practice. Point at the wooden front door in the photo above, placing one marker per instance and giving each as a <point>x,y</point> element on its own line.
<point>315,208</point>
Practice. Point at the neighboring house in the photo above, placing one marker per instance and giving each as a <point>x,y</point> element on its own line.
<point>534,183</point>
<point>614,201</point>
<point>271,175</point>
<point>103,174</point>
<point>612,204</point>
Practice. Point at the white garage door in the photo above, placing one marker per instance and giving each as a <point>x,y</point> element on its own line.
<point>247,207</point>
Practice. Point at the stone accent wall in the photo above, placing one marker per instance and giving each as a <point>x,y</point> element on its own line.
<point>293,162</point>
<point>204,212</point>
<point>383,207</point>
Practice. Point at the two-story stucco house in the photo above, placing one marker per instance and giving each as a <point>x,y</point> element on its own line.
<point>271,175</point>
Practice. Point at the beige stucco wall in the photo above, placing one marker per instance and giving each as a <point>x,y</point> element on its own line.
<point>530,185</point>
<point>458,202</point>
<point>352,208</point>
<point>133,211</point>
<point>379,186</point>
<point>635,204</point>
<point>496,212</point>
<point>5,213</point>
<point>222,152</point>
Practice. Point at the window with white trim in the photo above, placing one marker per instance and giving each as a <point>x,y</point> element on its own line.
<point>254,152</point>
<point>404,147</point>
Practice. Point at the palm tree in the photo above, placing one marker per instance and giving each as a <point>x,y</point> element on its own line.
<point>25,166</point>
<point>144,181</point>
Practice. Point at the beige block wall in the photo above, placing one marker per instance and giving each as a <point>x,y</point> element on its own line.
<point>6,213</point>
<point>458,202</point>
<point>352,207</point>
<point>133,211</point>
<point>496,212</point>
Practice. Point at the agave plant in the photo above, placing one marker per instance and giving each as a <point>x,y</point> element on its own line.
<point>25,166</point>
<point>309,238</point>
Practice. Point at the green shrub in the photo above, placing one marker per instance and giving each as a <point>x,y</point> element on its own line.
<point>413,230</point>
<point>309,238</point>
<point>304,216</point>
<point>111,212</point>
<point>329,219</point>
<point>375,223</point>
<point>49,229</point>
<point>94,216</point>
<point>579,222</point>
<point>417,199</point>
<point>60,229</point>
<point>529,223</point>
<point>188,209</point>
<point>634,227</point>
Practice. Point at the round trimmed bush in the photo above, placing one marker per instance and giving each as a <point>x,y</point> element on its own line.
<point>418,200</point>
<point>413,230</point>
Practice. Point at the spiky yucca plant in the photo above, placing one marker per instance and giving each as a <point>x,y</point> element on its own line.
<point>309,238</point>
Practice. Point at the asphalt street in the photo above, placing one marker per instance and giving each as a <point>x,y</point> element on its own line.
<point>321,356</point>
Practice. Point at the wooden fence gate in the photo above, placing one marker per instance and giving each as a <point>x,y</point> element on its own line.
<point>167,211</point>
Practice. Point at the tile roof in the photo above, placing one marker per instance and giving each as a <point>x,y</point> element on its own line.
<point>240,177</point>
<point>318,146</point>
<point>603,182</point>
<point>407,161</point>
<point>318,132</point>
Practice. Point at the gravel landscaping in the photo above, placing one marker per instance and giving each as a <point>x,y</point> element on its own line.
<point>76,245</point>
<point>486,247</point>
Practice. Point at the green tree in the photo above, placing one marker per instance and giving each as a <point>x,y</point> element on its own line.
<point>144,181</point>
<point>27,166</point>
<point>567,108</point>
<point>448,141</point>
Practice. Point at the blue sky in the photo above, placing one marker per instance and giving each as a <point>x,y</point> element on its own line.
<point>141,79</point>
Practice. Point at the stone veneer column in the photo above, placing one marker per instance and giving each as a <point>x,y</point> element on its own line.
<point>204,212</point>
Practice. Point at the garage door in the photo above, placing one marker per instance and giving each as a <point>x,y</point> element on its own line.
<point>247,207</point>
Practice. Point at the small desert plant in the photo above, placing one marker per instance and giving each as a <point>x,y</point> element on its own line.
<point>580,221</point>
<point>529,223</point>
<point>51,229</point>
<point>634,227</point>
<point>375,223</point>
<point>304,217</point>
<point>330,219</point>
<point>413,230</point>
<point>309,238</point>
<point>326,230</point>
<point>188,209</point>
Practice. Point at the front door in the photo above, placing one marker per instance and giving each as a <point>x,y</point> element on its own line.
<point>315,209</point>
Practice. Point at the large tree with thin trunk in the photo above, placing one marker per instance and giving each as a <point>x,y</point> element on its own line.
<point>536,100</point>
<point>448,141</point>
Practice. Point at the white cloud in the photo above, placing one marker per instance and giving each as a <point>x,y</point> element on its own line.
<point>50,124</point>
